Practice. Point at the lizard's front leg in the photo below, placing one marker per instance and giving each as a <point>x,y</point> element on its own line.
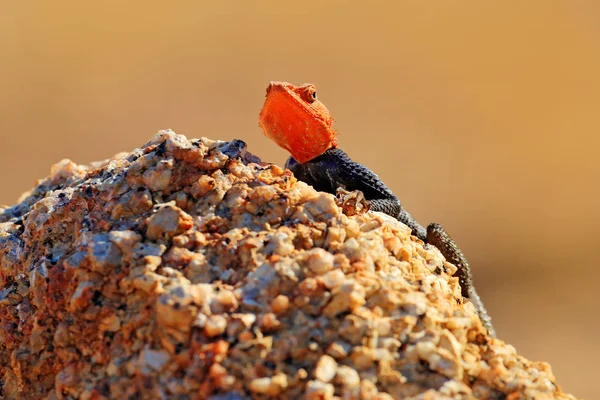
<point>437,236</point>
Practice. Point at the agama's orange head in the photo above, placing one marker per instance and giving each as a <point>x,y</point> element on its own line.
<point>297,121</point>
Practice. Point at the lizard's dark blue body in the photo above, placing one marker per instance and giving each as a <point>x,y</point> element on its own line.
<point>335,169</point>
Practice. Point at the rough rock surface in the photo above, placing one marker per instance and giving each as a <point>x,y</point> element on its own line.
<point>187,269</point>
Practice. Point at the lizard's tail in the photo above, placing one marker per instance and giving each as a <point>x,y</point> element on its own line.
<point>437,236</point>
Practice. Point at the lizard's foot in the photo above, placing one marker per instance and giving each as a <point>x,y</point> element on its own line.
<point>352,203</point>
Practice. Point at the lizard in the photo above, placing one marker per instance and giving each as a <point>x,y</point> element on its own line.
<point>296,120</point>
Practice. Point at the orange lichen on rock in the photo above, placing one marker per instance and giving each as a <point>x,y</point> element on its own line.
<point>189,269</point>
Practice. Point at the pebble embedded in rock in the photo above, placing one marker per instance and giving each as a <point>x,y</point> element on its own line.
<point>319,261</point>
<point>168,222</point>
<point>325,369</point>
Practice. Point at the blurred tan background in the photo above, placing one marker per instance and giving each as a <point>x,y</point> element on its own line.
<point>483,116</point>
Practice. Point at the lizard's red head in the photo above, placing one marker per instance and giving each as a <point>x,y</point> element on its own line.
<point>293,118</point>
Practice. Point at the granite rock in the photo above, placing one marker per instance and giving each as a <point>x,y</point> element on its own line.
<point>189,269</point>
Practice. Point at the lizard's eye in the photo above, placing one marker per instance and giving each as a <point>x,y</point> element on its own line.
<point>308,93</point>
